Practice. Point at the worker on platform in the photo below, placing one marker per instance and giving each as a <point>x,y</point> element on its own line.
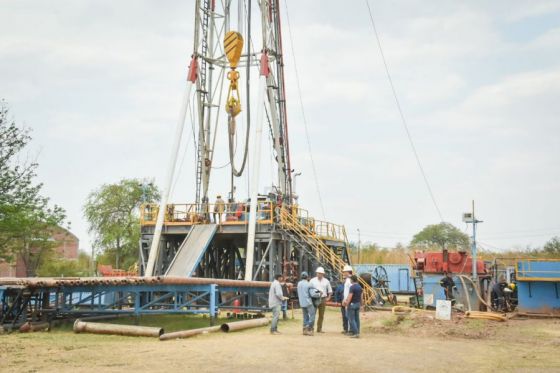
<point>275,298</point>
<point>306,304</point>
<point>353,304</point>
<point>219,209</point>
<point>324,286</point>
<point>448,286</point>
<point>346,273</point>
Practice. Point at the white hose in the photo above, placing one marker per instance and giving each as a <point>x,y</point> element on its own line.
<point>475,290</point>
<point>468,296</point>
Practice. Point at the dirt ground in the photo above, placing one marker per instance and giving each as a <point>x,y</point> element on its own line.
<point>387,344</point>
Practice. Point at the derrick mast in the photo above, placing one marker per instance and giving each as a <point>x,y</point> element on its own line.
<point>213,21</point>
<point>236,74</point>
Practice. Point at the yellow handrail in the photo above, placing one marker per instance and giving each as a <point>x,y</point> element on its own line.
<point>323,252</point>
<point>238,214</point>
<point>191,213</point>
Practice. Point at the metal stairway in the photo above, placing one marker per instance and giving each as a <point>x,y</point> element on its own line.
<point>309,241</point>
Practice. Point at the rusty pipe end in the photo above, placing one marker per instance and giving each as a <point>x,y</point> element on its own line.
<point>79,326</point>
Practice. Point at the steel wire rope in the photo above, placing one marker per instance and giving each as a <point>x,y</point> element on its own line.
<point>272,153</point>
<point>304,117</point>
<point>403,120</point>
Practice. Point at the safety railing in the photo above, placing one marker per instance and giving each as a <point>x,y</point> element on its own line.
<point>237,213</point>
<point>190,213</point>
<point>547,270</point>
<point>330,231</point>
<point>323,253</point>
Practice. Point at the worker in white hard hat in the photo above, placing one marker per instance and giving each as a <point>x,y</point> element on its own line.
<point>346,273</point>
<point>324,286</point>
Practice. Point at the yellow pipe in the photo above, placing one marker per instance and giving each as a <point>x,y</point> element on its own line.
<point>485,315</point>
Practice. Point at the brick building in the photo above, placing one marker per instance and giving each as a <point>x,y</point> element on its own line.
<point>67,248</point>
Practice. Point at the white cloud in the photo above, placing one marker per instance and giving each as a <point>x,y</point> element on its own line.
<point>100,83</point>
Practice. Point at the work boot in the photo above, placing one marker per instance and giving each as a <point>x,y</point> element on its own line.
<point>310,331</point>
<point>305,331</point>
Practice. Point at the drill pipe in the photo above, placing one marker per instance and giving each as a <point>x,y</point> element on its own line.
<point>34,282</point>
<point>246,324</point>
<point>33,327</point>
<point>116,329</point>
<point>188,333</point>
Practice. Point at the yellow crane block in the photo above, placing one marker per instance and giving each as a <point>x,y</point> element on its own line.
<point>233,46</point>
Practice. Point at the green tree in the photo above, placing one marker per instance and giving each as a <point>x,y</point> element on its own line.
<point>442,235</point>
<point>552,247</point>
<point>112,212</point>
<point>60,267</point>
<point>26,219</point>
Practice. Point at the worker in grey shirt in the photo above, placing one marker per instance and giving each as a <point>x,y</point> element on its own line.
<point>306,304</point>
<point>275,298</point>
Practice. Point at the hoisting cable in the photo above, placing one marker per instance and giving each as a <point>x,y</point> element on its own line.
<point>233,46</point>
<point>403,120</point>
<point>248,83</point>
<point>304,117</point>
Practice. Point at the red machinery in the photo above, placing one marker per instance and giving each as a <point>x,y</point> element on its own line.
<point>445,261</point>
<point>109,271</point>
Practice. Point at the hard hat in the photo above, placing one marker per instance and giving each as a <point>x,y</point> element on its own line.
<point>320,270</point>
<point>512,286</point>
<point>304,274</point>
<point>347,268</point>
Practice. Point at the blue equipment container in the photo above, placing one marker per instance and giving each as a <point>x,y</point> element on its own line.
<point>399,276</point>
<point>538,286</point>
<point>463,296</point>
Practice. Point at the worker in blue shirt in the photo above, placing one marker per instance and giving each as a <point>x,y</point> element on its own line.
<point>306,303</point>
<point>353,304</point>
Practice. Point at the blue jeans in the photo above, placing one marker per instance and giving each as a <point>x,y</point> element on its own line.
<point>275,317</point>
<point>354,318</point>
<point>344,318</point>
<point>308,316</point>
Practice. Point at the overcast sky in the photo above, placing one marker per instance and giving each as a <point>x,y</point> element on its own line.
<point>100,83</point>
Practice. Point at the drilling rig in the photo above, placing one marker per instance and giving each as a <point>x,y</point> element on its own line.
<point>237,66</point>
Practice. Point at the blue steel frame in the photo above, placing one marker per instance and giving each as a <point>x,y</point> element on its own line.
<point>135,299</point>
<point>139,299</point>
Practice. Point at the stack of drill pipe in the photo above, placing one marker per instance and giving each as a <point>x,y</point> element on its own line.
<point>188,333</point>
<point>116,329</point>
<point>246,324</point>
<point>171,280</point>
<point>485,315</point>
<point>76,281</point>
